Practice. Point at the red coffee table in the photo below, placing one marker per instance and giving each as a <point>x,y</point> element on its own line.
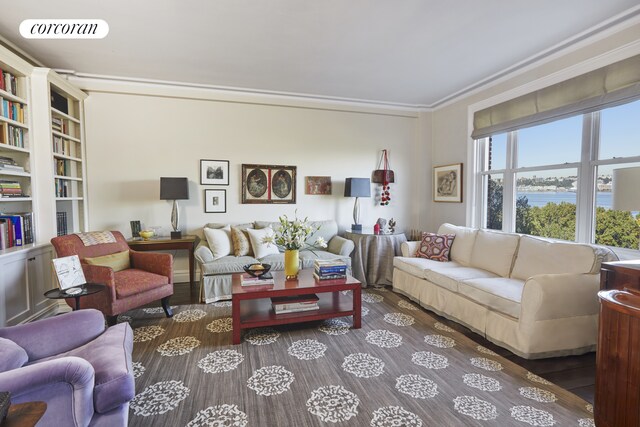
<point>251,305</point>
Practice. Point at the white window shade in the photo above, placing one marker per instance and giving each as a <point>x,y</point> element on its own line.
<point>608,86</point>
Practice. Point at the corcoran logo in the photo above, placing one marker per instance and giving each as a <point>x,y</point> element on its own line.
<point>64,29</point>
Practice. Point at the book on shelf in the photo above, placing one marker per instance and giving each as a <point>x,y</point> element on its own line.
<point>329,276</point>
<point>61,219</point>
<point>295,303</point>
<point>15,224</point>
<point>13,136</point>
<point>248,280</point>
<point>8,82</point>
<point>10,188</point>
<point>12,110</point>
<point>17,229</point>
<point>278,310</point>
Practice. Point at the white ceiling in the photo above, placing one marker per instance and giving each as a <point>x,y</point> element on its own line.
<point>407,52</point>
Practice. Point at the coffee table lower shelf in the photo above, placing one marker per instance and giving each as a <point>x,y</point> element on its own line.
<point>256,313</point>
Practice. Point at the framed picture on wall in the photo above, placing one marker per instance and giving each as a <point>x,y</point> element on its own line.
<point>268,184</point>
<point>214,172</point>
<point>317,185</point>
<point>215,201</point>
<point>447,183</point>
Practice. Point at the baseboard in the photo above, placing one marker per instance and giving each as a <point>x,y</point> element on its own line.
<point>180,276</point>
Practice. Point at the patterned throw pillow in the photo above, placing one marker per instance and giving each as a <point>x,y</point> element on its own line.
<point>435,246</point>
<point>241,245</point>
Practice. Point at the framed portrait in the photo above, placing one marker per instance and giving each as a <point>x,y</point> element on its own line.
<point>215,201</point>
<point>214,172</point>
<point>268,184</point>
<point>317,185</point>
<point>447,183</point>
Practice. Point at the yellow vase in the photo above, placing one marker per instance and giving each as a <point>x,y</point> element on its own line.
<point>291,263</point>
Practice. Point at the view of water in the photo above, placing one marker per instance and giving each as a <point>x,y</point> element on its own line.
<point>604,199</point>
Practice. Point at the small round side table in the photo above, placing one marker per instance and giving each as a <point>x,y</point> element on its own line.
<point>87,289</point>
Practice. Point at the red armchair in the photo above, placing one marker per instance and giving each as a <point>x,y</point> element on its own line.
<point>150,277</point>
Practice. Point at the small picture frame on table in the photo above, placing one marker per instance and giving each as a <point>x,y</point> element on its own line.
<point>215,201</point>
<point>447,183</point>
<point>214,172</point>
<point>135,228</point>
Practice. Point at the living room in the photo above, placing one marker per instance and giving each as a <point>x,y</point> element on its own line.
<point>316,94</point>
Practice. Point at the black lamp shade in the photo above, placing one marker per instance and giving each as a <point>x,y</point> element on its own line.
<point>174,188</point>
<point>357,187</point>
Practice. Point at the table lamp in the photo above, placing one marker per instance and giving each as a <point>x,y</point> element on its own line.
<point>174,189</point>
<point>626,189</point>
<point>357,187</point>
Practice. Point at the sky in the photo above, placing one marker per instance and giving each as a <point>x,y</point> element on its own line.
<point>559,142</point>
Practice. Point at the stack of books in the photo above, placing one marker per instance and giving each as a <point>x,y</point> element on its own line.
<point>16,229</point>
<point>265,279</point>
<point>294,304</point>
<point>10,188</point>
<point>329,269</point>
<point>9,164</point>
<point>57,124</point>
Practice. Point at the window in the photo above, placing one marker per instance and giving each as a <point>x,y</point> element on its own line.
<point>555,179</point>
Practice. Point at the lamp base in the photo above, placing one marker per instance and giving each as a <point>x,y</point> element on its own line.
<point>356,227</point>
<point>176,234</point>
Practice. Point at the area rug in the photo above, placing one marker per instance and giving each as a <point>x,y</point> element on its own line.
<point>403,368</point>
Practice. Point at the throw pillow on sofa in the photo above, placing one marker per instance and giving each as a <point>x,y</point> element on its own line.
<point>219,240</point>
<point>240,239</point>
<point>435,246</point>
<point>260,249</point>
<point>118,261</point>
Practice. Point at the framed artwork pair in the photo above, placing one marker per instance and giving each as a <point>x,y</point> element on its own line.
<point>214,172</point>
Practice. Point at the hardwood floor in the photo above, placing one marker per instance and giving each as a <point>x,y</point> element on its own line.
<point>574,373</point>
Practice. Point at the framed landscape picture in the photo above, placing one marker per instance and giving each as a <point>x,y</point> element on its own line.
<point>214,172</point>
<point>447,183</point>
<point>215,201</point>
<point>317,185</point>
<point>268,184</point>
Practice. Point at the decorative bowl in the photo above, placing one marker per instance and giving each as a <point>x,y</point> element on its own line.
<point>255,269</point>
<point>146,234</point>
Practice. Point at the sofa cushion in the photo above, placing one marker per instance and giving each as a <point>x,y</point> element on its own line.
<point>419,266</point>
<point>499,294</point>
<point>463,243</point>
<point>495,251</point>
<point>133,281</point>
<point>12,356</point>
<point>435,246</point>
<point>448,278</point>
<point>240,240</point>
<point>117,262</point>
<point>219,241</point>
<point>261,249</point>
<point>540,256</point>
<point>227,265</point>
<point>110,356</point>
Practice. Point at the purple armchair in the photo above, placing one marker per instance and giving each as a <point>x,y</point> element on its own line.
<point>80,369</point>
<point>149,279</point>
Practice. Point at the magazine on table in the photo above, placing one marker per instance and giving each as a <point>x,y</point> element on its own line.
<point>69,272</point>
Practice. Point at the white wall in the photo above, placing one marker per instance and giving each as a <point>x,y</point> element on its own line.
<point>134,139</point>
<point>451,128</point>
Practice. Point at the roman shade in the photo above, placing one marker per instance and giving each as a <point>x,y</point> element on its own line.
<point>614,84</point>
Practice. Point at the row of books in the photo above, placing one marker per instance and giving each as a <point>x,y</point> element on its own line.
<point>8,82</point>
<point>63,167</point>
<point>63,188</point>
<point>60,125</point>
<point>9,164</point>
<point>61,146</point>
<point>16,229</point>
<point>14,136</point>
<point>12,110</point>
<point>329,269</point>
<point>61,223</point>
<point>10,188</point>
<point>295,304</point>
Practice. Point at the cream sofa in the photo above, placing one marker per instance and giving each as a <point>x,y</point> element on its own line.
<point>533,296</point>
<point>215,273</point>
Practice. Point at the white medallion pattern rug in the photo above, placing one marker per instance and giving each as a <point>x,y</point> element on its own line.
<point>404,367</point>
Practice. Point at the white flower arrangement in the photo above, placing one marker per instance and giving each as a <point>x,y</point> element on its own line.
<point>293,235</point>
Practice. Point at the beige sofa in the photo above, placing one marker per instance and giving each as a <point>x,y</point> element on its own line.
<point>533,296</point>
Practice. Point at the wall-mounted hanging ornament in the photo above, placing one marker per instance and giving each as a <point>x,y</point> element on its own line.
<point>384,176</point>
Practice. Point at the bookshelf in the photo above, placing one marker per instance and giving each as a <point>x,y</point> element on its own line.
<point>60,122</point>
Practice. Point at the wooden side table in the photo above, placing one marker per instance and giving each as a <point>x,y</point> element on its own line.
<point>24,414</point>
<point>620,275</point>
<point>372,258</point>
<point>187,242</point>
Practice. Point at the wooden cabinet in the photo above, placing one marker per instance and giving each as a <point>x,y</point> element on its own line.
<point>26,275</point>
<point>620,275</point>
<point>617,396</point>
